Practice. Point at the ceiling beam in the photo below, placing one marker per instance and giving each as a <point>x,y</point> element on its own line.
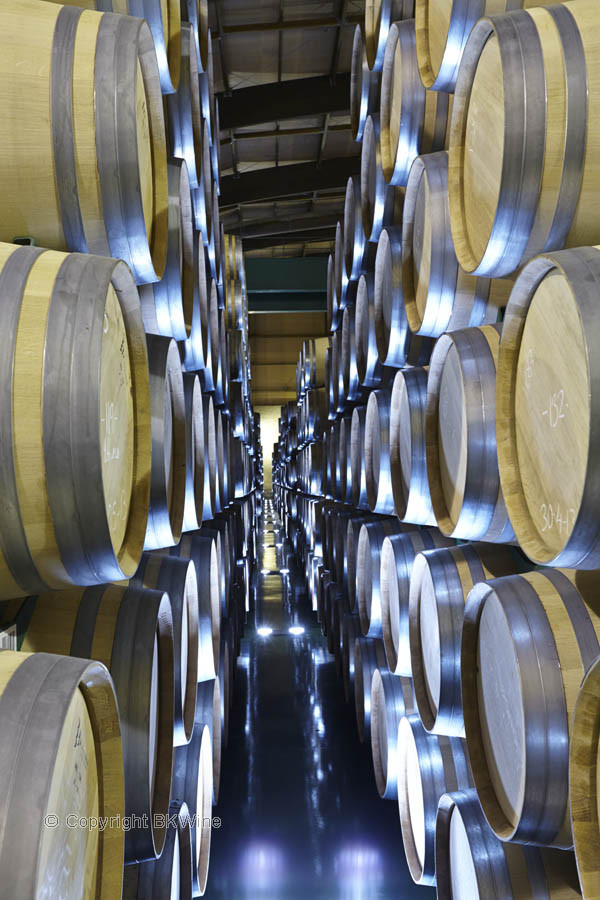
<point>290,99</point>
<point>285,226</point>
<point>283,132</point>
<point>287,181</point>
<point>292,24</point>
<point>318,236</point>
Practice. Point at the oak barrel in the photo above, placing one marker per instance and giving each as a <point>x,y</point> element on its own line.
<point>527,643</point>
<point>547,393</point>
<point>462,462</point>
<point>59,717</point>
<point>369,655</point>
<point>379,15</point>
<point>392,697</point>
<point>178,579</point>
<point>398,554</point>
<point>194,452</point>
<point>439,584</point>
<point>472,864</point>
<point>164,19</point>
<point>429,766</point>
<point>169,463</point>
<point>438,295</point>
<point>85,115</point>
<point>167,305</point>
<point>193,785</point>
<point>513,194</point>
<point>171,876</point>
<point>414,120</point>
<point>130,630</point>
<point>408,457</point>
<point>185,115</point>
<point>75,419</point>
<point>364,86</point>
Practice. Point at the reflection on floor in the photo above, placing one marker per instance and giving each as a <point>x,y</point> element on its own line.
<point>301,817</point>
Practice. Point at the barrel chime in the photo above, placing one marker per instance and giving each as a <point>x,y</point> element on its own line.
<point>437,476</point>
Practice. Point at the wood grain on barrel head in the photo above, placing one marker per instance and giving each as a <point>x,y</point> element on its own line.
<point>414,785</point>
<point>116,420</point>
<point>463,877</point>
<point>68,856</point>
<point>430,640</point>
<point>552,413</point>
<point>452,434</point>
<point>501,710</point>
<point>144,147</point>
<point>484,148</point>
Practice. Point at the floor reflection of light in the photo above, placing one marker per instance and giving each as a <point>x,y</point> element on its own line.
<point>296,630</point>
<point>359,872</point>
<point>264,631</point>
<point>263,867</point>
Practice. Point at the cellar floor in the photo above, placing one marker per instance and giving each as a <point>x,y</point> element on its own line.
<point>300,814</point>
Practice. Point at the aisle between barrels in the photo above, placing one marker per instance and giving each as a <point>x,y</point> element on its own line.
<point>300,814</point>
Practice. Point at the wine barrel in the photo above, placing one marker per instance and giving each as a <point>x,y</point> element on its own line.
<point>438,295</point>
<point>167,305</point>
<point>196,350</point>
<point>202,193</point>
<point>195,453</point>
<point>351,388</point>
<point>364,86</point>
<point>340,278</point>
<point>391,325</point>
<point>164,19</point>
<point>114,6</point>
<point>368,586</point>
<point>225,680</point>
<point>57,716</point>
<point>398,554</point>
<point>208,710</point>
<point>408,458</point>
<point>506,98</point>
<point>170,876</point>
<point>471,863</point>
<point>354,235</point>
<point>210,458</point>
<point>357,457</point>
<point>99,152</point>
<point>377,452</point>
<point>439,584</point>
<point>527,643</point>
<point>381,203</point>
<point>346,459</point>
<point>185,116</point>
<point>546,448</point>
<point>429,766</point>
<point>75,415</point>
<point>178,579</point>
<point>414,121</point>
<point>392,697</point>
<point>462,463</point>
<point>369,655</point>
<point>379,15</point>
<point>583,764</point>
<point>130,630</point>
<point>169,464</point>
<point>368,365</point>
<point>350,632</point>
<point>193,785</point>
<point>204,551</point>
<point>196,13</point>
<point>331,298</point>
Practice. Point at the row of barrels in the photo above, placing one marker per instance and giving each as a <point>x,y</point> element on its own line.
<point>118,701</point>
<point>454,76</point>
<point>436,643</point>
<point>492,437</point>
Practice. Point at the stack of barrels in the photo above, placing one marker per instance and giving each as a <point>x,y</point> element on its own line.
<point>445,514</point>
<point>131,453</point>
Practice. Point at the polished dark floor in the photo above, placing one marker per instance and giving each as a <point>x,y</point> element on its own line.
<point>301,817</point>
